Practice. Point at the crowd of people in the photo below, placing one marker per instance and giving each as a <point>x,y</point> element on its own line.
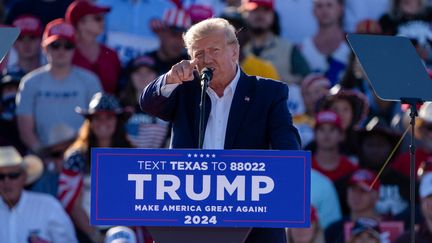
<point>74,77</point>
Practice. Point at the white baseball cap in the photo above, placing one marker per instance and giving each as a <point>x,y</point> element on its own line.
<point>120,234</point>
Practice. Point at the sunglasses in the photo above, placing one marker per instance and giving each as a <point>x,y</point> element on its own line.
<point>98,18</point>
<point>11,176</point>
<point>56,154</point>
<point>65,45</point>
<point>27,37</point>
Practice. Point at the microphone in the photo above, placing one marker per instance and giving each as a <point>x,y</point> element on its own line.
<point>206,75</point>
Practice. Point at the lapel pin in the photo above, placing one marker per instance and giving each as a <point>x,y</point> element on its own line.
<point>247,99</point>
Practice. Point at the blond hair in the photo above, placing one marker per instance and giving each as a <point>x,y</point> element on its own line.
<point>207,27</point>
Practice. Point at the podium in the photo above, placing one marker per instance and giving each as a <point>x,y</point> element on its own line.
<point>202,195</point>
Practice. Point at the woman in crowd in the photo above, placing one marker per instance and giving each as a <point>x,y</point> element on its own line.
<point>103,127</point>
<point>143,130</point>
<point>352,107</point>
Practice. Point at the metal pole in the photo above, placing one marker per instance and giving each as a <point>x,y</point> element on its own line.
<point>204,86</point>
<point>413,115</point>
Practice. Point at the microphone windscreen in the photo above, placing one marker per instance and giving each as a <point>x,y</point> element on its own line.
<point>207,72</point>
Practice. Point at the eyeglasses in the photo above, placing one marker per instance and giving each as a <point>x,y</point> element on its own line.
<point>65,45</point>
<point>11,176</point>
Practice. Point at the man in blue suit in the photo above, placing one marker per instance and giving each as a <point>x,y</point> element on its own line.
<point>245,112</point>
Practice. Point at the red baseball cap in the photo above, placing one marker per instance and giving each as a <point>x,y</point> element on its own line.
<point>58,29</point>
<point>80,8</point>
<point>328,117</point>
<point>364,179</point>
<point>250,5</point>
<point>199,12</point>
<point>368,26</point>
<point>175,19</point>
<point>29,25</point>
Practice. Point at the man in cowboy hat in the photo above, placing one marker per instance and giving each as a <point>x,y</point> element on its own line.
<point>28,216</point>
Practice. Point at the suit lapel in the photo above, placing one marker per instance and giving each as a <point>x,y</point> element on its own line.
<point>243,97</point>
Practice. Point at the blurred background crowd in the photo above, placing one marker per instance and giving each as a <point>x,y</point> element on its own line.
<point>73,78</point>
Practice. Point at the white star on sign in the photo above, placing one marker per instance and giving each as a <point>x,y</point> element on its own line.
<point>195,155</point>
<point>189,155</point>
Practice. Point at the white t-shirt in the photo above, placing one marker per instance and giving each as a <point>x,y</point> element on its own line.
<point>296,19</point>
<point>318,61</point>
<point>35,215</point>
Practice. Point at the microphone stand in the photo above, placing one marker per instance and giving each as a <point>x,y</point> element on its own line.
<point>413,102</point>
<point>205,79</point>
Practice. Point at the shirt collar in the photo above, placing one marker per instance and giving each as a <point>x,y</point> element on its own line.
<point>17,206</point>
<point>233,84</point>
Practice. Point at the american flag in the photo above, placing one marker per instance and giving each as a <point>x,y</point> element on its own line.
<point>145,131</point>
<point>71,180</point>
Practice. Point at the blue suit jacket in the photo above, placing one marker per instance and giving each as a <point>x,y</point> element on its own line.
<point>258,118</point>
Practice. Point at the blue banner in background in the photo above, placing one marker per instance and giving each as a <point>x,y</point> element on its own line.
<point>220,188</point>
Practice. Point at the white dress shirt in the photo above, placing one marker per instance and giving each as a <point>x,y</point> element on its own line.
<point>38,215</point>
<point>214,137</point>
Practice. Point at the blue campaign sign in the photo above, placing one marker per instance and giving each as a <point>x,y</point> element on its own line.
<point>221,188</point>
